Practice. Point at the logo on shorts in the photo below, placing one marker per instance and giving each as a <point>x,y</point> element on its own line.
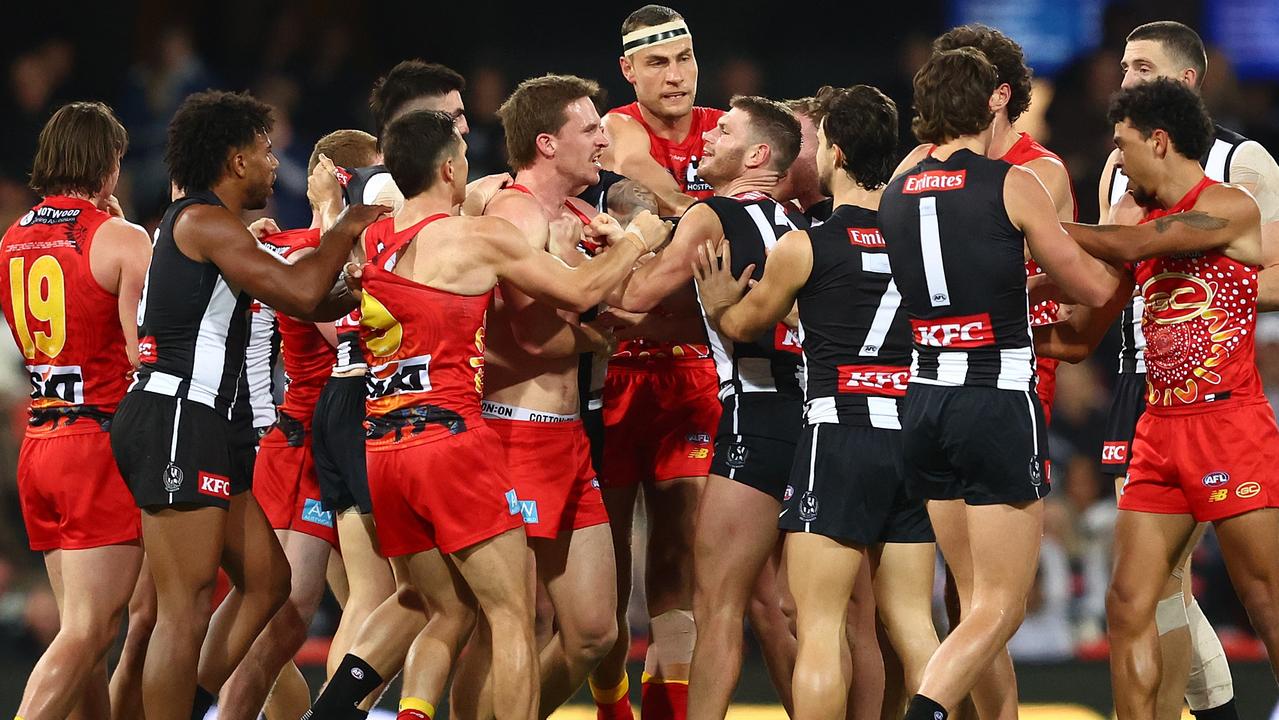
<point>699,453</point>
<point>214,485</point>
<point>1218,495</point>
<point>808,507</point>
<point>1216,479</point>
<point>1114,453</point>
<point>790,493</point>
<point>512,502</point>
<point>698,438</point>
<point>1036,471</point>
<point>595,483</point>
<point>357,673</point>
<point>314,512</point>
<point>1247,490</point>
<point>528,510</point>
<point>737,454</point>
<point>172,478</point>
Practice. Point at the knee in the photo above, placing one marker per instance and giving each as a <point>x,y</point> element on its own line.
<point>764,612</point>
<point>1127,610</point>
<point>592,638</point>
<point>91,636</point>
<point>279,587</point>
<point>1261,599</point>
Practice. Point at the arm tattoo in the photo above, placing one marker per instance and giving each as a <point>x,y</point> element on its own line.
<point>1194,218</point>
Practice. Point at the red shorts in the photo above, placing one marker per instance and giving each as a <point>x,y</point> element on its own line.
<point>448,492</point>
<point>659,421</point>
<point>1046,384</point>
<point>553,477</point>
<point>285,485</point>
<point>1214,464</point>
<point>72,494</point>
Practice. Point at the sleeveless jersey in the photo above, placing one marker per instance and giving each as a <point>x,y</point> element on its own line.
<point>361,186</point>
<point>425,347</point>
<point>1200,325</point>
<point>192,327</point>
<point>1216,165</point>
<point>349,354</point>
<point>855,334</point>
<point>308,357</point>
<point>753,222</point>
<point>66,325</point>
<point>679,158</point>
<point>258,385</point>
<point>960,266</point>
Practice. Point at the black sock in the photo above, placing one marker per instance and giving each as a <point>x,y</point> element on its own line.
<point>203,701</point>
<point>351,683</point>
<point>921,708</point>
<point>1221,712</point>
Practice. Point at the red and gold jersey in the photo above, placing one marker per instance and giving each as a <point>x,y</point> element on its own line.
<point>680,158</point>
<point>424,347</point>
<point>1200,325</point>
<point>308,357</point>
<point>66,325</point>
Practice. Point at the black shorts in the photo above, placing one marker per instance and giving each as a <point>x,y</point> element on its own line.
<point>760,457</point>
<point>846,484</point>
<point>983,445</point>
<point>1126,406</point>
<point>179,453</point>
<point>337,443</point>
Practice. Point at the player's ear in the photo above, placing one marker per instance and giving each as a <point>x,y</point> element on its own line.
<point>447,171</point>
<point>237,163</point>
<point>759,155</point>
<point>1161,142</point>
<point>545,143</point>
<point>628,70</point>
<point>999,99</point>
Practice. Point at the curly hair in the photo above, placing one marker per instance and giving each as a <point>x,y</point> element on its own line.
<point>205,129</point>
<point>1003,52</point>
<point>862,122</point>
<point>407,81</point>
<point>952,95</point>
<point>1168,105</point>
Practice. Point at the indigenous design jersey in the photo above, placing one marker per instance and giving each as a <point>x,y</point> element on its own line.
<point>308,357</point>
<point>425,346</point>
<point>680,158</point>
<point>192,327</point>
<point>960,266</point>
<point>350,356</point>
<point>855,333</point>
<point>753,222</point>
<point>1200,324</point>
<point>1216,165</point>
<point>65,324</point>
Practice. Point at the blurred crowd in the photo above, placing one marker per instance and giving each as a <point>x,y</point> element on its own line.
<point>317,80</point>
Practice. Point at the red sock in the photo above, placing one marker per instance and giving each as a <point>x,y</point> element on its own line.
<point>617,710</point>
<point>411,714</point>
<point>664,700</point>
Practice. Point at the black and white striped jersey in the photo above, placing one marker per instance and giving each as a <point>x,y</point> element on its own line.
<point>753,222</point>
<point>855,333</point>
<point>363,184</point>
<point>960,266</point>
<point>1216,165</point>
<point>193,327</point>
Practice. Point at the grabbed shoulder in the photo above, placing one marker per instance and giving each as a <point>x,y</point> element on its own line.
<point>121,238</point>
<point>913,158</point>
<point>1230,201</point>
<point>1052,173</point>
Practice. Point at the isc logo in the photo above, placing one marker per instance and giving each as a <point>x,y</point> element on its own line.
<point>50,382</point>
<point>1114,453</point>
<point>411,375</point>
<point>969,331</point>
<point>883,380</point>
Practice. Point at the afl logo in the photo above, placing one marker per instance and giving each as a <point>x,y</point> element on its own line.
<point>172,478</point>
<point>790,493</point>
<point>1173,297</point>
<point>1216,479</point>
<point>26,219</point>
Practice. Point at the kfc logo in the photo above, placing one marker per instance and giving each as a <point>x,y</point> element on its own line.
<point>968,331</point>
<point>215,485</point>
<point>146,349</point>
<point>880,380</point>
<point>1114,453</point>
<point>867,238</point>
<point>786,340</point>
<point>935,181</point>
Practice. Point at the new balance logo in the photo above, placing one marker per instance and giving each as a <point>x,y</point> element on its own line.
<point>969,331</point>
<point>935,181</point>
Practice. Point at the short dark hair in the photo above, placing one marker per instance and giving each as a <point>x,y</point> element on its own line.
<point>1003,52</point>
<point>649,16</point>
<point>952,95</point>
<point>207,126</point>
<point>538,106</point>
<point>773,124</point>
<point>1168,105</point>
<point>407,81</point>
<point>78,149</point>
<point>414,145</point>
<point>862,122</point>
<point>1181,42</point>
<point>348,149</point>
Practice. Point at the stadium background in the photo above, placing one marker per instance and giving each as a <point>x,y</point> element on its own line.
<point>314,62</point>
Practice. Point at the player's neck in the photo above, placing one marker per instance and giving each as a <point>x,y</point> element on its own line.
<point>233,200</point>
<point>809,198</point>
<point>549,187</point>
<point>667,128</point>
<point>1182,177</point>
<point>91,199</point>
<point>977,144</point>
<point>419,207</point>
<point>848,192</point>
<point>752,180</point>
<point>1003,136</point>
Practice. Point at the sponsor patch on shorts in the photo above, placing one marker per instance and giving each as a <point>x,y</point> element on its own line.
<point>216,486</point>
<point>1247,490</point>
<point>1216,479</point>
<point>314,512</point>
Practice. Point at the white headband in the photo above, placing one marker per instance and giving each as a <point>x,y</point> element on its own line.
<point>656,35</point>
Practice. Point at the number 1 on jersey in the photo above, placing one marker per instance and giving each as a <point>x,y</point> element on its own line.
<point>930,248</point>
<point>42,292</point>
